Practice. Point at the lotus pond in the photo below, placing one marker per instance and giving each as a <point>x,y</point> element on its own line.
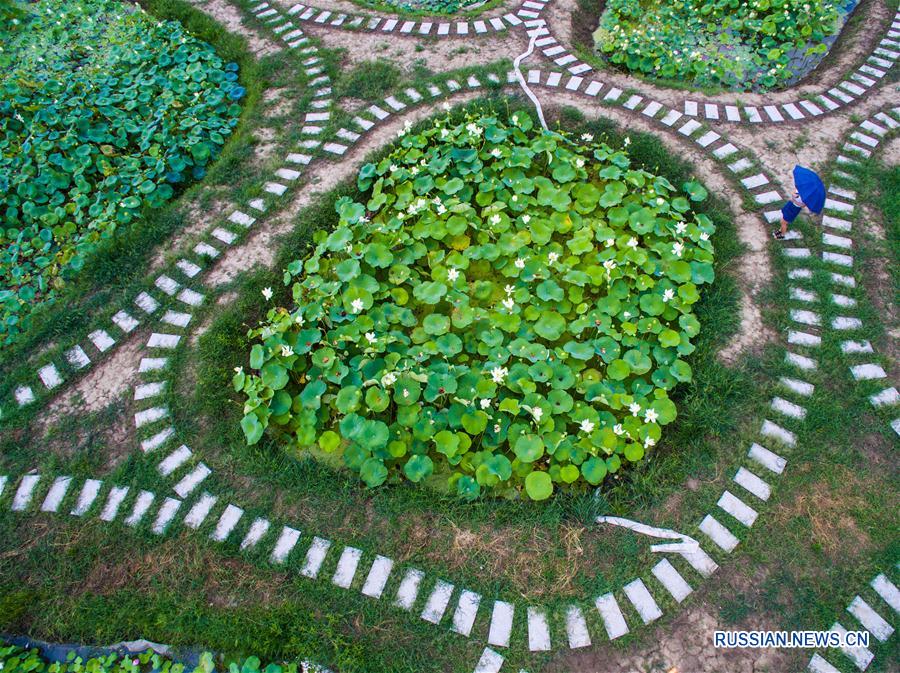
<point>104,112</point>
<point>734,44</point>
<point>507,311</point>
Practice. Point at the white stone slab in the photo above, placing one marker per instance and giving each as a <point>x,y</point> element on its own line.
<point>315,556</point>
<point>197,514</point>
<point>174,460</point>
<point>227,522</point>
<point>818,665</point>
<point>843,301</point>
<point>860,656</point>
<point>190,297</point>
<point>805,317</point>
<point>146,303</point>
<point>147,390</point>
<point>151,415</point>
<point>157,440</point>
<point>489,662</point>
<point>800,361</point>
<point>501,624</point>
<point>257,530</point>
<point>721,536</point>
<point>346,567</point>
<point>378,577</point>
<point>125,322</point>
<point>191,480</point>
<point>775,431</point>
<point>797,386</point>
<point>873,622</point>
<point>113,501</point>
<point>867,372</point>
<point>752,483</point>
<point>576,628</point>
<point>141,505</point>
<point>24,493</point>
<point>643,602</point>
<point>671,117</point>
<point>887,590</point>
<point>24,395</point>
<point>737,508</point>
<point>689,127</point>
<point>788,408</point>
<point>800,294</point>
<point>437,602</point>
<point>755,181</point>
<point>157,340</point>
<point>49,376</point>
<point>612,616</point>
<point>409,589</point>
<point>887,397</point>
<point>165,515</point>
<point>538,631</point>
<point>768,459</point>
<point>56,494</point>
<point>101,340</point>
<point>700,561</point>
<point>86,498</point>
<point>672,580</point>
<point>77,358</point>
<point>286,542</point>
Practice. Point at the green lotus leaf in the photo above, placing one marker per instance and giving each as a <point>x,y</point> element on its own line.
<point>373,472</point>
<point>538,485</point>
<point>418,467</point>
<point>529,448</point>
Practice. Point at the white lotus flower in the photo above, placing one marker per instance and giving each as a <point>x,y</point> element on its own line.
<point>267,293</point>
<point>357,305</point>
<point>618,429</point>
<point>520,263</point>
<point>509,289</point>
<point>238,370</point>
<point>537,412</point>
<point>650,416</point>
<point>632,242</point>
<point>445,105</point>
<point>499,373</point>
<point>452,275</point>
<point>509,302</point>
<point>579,163</point>
<point>660,201</point>
<point>681,227</point>
<point>634,408</point>
<point>552,257</point>
<point>587,137</point>
<point>586,425</point>
<point>287,351</point>
<point>485,403</point>
<point>704,236</point>
<point>389,379</point>
<point>496,153</point>
<point>678,248</point>
<point>609,265</point>
<point>496,427</point>
<point>298,319</point>
<point>668,294</point>
<point>626,314</point>
<point>371,338</point>
<point>649,442</point>
<point>406,394</point>
<point>627,141</point>
<point>526,218</point>
<point>610,242</point>
<point>495,219</point>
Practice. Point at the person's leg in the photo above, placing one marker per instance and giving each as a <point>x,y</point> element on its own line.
<point>789,213</point>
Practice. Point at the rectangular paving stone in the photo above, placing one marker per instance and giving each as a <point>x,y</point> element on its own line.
<point>151,415</point>
<point>689,127</point>
<point>227,522</point>
<point>708,139</point>
<point>867,372</point>
<point>856,347</point>
<point>672,580</point>
<point>732,114</point>
<point>860,656</point>
<point>101,340</point>
<point>742,165</point>
<point>643,602</point>
<point>141,505</point>
<point>775,431</point>
<point>174,460</point>
<point>166,513</point>
<point>377,577</point>
<point>841,279</point>
<point>800,361</point>
<point>805,317</point>
<point>188,268</point>
<point>836,223</point>
<point>576,628</point>
<point>77,358</point>
<point>288,174</point>
<point>887,397</point>
<point>437,602</point>
<point>176,318</point>
<point>873,622</point>
<point>86,497</point>
<point>255,533</point>
<point>158,340</point>
<point>632,102</point>
<point>799,294</point>
<point>285,543</point>
<point>574,83</point>
<point>124,321</point>
<point>773,113</point>
<point>819,665</point>
<point>797,386</point>
<point>652,108</point>
<point>690,108</point>
<point>346,567</point>
<point>711,110</point>
<point>275,188</point>
<point>771,461</point>
<point>721,536</point>
<point>49,376</point>
<point>700,561</point>
<point>846,323</point>
<point>56,494</point>
<point>113,501</point>
<point>197,514</point>
<point>315,555</point>
<point>755,181</point>
<point>843,300</point>
<point>752,483</point>
<point>466,609</point>
<point>671,117</point>
<point>887,590</point>
<point>227,237</point>
<point>788,408</point>
<point>192,480</point>
<point>804,339</point>
<point>725,151</point>
<point>538,631</point>
<point>190,297</point>
<point>811,107</point>
<point>753,115</point>
<point>767,197</point>
<point>612,616</point>
<point>793,111</point>
<point>157,440</point>
<point>799,274</point>
<point>409,589</point>
<point>152,364</point>
<point>838,259</point>
<point>501,624</point>
<point>613,94</point>
<point>737,508</point>
<point>489,662</point>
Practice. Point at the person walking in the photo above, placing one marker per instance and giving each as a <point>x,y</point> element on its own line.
<point>809,193</point>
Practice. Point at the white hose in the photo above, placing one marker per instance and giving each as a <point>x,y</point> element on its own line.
<point>524,84</point>
<point>687,544</point>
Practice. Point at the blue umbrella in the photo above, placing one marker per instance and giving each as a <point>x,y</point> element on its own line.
<point>810,187</point>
